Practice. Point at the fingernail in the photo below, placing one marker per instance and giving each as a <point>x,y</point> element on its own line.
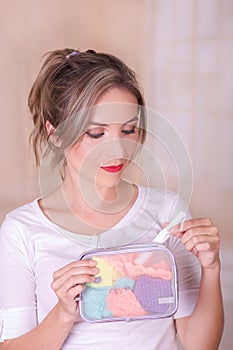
<point>92,262</point>
<point>95,270</point>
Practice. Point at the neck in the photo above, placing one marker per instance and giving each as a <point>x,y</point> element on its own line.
<point>88,196</point>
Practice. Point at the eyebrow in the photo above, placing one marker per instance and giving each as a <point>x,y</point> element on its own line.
<point>102,124</point>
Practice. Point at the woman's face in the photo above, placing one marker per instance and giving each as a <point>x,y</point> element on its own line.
<point>109,142</point>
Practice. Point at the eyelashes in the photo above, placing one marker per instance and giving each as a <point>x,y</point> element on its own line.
<point>93,135</point>
<point>98,135</point>
<point>129,131</point>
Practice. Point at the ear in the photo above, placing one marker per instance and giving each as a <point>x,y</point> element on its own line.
<point>49,127</point>
<point>50,130</point>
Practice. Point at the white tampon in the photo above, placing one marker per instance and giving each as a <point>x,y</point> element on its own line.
<point>162,236</point>
<point>165,233</point>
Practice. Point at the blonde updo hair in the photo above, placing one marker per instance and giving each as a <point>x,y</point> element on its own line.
<point>69,82</point>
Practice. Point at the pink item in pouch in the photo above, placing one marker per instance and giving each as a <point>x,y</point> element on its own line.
<point>127,266</point>
<point>123,303</point>
<point>135,271</point>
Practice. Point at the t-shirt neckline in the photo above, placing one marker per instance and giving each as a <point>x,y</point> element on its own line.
<point>85,238</point>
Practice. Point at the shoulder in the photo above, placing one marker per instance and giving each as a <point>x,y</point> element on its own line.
<point>158,194</point>
<point>22,218</point>
<point>162,203</point>
<point>23,213</point>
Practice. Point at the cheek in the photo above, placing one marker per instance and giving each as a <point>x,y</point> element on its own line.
<point>79,151</point>
<point>136,135</point>
<point>131,145</point>
<point>85,158</point>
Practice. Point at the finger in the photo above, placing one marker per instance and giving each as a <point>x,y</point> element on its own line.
<point>71,283</point>
<point>209,233</point>
<point>68,296</point>
<point>195,251</point>
<point>83,275</point>
<point>74,264</point>
<point>200,243</point>
<point>165,224</point>
<point>76,271</point>
<point>192,223</point>
<point>75,291</point>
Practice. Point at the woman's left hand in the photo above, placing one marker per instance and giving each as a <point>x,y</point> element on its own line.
<point>200,237</point>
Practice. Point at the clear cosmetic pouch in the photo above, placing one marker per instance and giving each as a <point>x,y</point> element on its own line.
<point>134,282</point>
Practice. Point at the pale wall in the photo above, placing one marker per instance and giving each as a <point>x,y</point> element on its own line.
<point>182,52</point>
<point>189,79</point>
<point>28,30</point>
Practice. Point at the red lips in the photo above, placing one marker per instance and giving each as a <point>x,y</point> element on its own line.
<point>113,168</point>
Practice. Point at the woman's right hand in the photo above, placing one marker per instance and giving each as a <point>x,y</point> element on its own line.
<point>69,282</point>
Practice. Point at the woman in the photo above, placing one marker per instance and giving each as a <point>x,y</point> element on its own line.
<point>89,109</point>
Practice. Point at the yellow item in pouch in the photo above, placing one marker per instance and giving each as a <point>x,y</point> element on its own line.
<point>105,276</point>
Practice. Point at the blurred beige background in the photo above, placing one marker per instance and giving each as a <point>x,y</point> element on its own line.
<point>182,52</point>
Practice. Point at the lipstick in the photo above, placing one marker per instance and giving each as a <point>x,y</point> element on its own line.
<point>113,168</point>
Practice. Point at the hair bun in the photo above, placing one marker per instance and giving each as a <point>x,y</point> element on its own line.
<point>91,51</point>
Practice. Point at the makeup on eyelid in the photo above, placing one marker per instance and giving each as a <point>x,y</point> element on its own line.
<point>96,133</point>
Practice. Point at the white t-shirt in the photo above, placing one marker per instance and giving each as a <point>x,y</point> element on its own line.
<point>32,248</point>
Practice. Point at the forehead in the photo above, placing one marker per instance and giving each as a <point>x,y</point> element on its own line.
<point>116,112</point>
<point>116,105</point>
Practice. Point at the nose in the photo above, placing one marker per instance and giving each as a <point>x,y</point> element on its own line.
<point>117,148</point>
<point>121,148</point>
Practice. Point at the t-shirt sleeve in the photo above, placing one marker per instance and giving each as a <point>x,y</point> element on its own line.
<point>17,283</point>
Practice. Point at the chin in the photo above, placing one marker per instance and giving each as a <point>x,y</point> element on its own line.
<point>108,182</point>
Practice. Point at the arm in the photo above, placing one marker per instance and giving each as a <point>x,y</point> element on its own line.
<point>49,335</point>
<point>54,329</point>
<point>203,329</point>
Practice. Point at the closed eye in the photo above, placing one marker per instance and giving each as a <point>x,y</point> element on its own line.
<point>129,131</point>
<point>95,135</point>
